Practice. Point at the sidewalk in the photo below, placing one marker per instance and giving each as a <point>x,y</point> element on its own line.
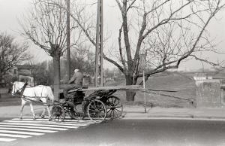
<point>137,112</point>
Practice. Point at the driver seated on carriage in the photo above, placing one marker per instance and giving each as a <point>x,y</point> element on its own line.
<point>74,83</point>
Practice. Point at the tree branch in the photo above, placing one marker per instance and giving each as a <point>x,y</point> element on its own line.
<point>113,62</point>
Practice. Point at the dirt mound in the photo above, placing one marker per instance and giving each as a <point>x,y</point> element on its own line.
<point>166,90</point>
<point>171,90</point>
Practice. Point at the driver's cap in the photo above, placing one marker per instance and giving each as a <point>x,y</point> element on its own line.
<point>76,70</point>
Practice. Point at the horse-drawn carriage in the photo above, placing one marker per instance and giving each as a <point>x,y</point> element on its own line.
<point>99,105</point>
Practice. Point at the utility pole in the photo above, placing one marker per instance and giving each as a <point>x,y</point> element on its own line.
<point>68,40</point>
<point>99,45</point>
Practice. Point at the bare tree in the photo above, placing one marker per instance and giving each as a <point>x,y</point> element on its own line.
<point>167,31</point>
<point>45,26</point>
<point>11,53</point>
<point>83,59</point>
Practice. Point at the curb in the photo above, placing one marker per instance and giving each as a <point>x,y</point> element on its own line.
<point>134,112</point>
<point>170,116</point>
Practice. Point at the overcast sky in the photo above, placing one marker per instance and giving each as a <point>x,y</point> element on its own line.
<point>12,10</point>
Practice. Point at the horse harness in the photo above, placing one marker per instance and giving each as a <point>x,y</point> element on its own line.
<point>29,98</point>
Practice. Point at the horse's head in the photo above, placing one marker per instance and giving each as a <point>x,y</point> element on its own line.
<point>17,87</point>
<point>50,93</point>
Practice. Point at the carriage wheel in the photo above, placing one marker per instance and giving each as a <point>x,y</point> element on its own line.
<point>114,107</point>
<point>96,110</point>
<point>71,113</point>
<point>58,113</point>
<point>70,109</point>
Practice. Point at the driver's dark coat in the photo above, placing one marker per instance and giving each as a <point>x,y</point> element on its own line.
<point>77,79</point>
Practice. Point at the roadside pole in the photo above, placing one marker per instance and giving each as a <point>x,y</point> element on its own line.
<point>144,90</point>
<point>142,67</point>
<point>68,40</point>
<point>99,45</point>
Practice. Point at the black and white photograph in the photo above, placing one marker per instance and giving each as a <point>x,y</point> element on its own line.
<point>112,72</point>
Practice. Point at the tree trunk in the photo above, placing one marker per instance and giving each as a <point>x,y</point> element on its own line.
<point>0,76</point>
<point>56,66</point>
<point>129,94</point>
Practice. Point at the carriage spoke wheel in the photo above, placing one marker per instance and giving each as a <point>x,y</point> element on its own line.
<point>96,110</point>
<point>114,107</point>
<point>58,113</point>
<point>70,109</point>
<point>71,113</point>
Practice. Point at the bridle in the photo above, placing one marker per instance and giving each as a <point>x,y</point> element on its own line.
<point>18,91</point>
<point>14,91</point>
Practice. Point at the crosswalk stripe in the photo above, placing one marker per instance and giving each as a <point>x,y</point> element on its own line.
<point>36,127</point>
<point>14,135</point>
<point>65,121</point>
<point>50,122</point>
<point>43,123</point>
<point>34,124</point>
<point>41,119</point>
<point>19,132</point>
<point>25,129</point>
<point>7,139</point>
<point>28,119</point>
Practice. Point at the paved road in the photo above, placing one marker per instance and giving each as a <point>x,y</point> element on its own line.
<point>151,132</point>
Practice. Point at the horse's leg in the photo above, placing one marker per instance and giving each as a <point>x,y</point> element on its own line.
<point>23,102</point>
<point>43,113</point>
<point>32,110</point>
<point>44,110</point>
<point>45,102</point>
<point>49,113</point>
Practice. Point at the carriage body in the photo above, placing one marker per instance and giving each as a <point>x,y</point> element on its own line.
<point>74,96</point>
<point>101,94</point>
<point>78,106</point>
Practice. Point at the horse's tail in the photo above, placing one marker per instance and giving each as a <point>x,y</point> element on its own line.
<point>50,93</point>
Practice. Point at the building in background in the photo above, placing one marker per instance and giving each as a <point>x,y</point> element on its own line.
<point>22,73</point>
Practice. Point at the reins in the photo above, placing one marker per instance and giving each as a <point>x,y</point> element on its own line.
<point>23,88</point>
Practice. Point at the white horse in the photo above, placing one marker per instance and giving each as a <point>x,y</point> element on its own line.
<point>39,94</point>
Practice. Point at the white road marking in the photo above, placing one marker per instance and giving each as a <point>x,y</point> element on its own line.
<point>30,119</point>
<point>45,124</point>
<point>25,129</point>
<point>7,139</point>
<point>14,135</point>
<point>10,130</point>
<point>36,127</point>
<point>19,132</point>
<point>53,124</point>
<point>42,122</point>
<point>65,121</point>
